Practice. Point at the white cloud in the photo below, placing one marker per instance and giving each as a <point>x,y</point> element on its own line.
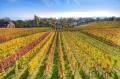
<point>78,14</point>
<point>30,15</point>
<point>50,3</point>
<point>72,14</point>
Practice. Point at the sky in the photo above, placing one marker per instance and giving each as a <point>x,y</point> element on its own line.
<point>26,9</point>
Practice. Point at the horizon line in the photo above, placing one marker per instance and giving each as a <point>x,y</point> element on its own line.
<point>30,15</point>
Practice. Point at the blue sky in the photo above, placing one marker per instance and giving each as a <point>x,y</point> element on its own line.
<point>25,9</point>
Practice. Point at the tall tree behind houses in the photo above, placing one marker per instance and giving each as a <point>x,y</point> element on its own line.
<point>36,21</point>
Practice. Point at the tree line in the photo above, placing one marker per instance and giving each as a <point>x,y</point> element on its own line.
<point>53,22</point>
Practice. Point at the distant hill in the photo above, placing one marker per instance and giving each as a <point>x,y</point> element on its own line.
<point>115,24</point>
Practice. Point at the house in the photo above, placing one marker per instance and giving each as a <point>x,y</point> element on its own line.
<point>58,26</point>
<point>7,24</point>
<point>73,24</point>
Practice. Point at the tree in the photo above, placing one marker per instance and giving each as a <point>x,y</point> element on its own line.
<point>36,20</point>
<point>7,19</point>
<point>1,20</point>
<point>112,18</point>
<point>16,23</point>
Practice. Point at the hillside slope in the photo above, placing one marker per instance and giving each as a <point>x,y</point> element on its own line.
<point>102,24</point>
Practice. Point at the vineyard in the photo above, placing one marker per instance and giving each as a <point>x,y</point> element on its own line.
<point>87,52</point>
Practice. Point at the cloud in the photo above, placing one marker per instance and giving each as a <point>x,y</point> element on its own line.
<point>71,14</point>
<point>29,15</point>
<point>30,3</point>
<point>50,3</point>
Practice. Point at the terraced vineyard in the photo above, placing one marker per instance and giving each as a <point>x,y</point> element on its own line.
<point>77,53</point>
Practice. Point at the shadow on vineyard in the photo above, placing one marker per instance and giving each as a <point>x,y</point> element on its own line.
<point>55,72</point>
